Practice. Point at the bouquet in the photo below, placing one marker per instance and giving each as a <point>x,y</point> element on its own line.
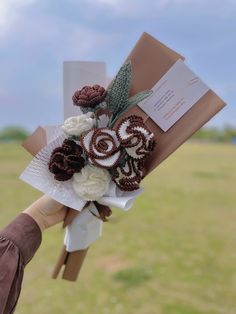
<point>97,159</point>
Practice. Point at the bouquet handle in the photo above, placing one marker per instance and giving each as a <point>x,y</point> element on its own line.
<point>72,262</point>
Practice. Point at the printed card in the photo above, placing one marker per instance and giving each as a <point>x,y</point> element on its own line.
<point>173,95</point>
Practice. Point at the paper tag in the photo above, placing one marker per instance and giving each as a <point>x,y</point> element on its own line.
<point>173,95</point>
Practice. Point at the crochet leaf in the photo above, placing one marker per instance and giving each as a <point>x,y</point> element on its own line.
<point>102,105</point>
<point>86,109</point>
<point>118,92</point>
<point>132,101</point>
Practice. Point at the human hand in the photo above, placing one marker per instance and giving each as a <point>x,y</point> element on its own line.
<point>46,212</point>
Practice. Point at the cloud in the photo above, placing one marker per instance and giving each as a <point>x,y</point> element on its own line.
<point>42,28</point>
<point>9,11</point>
<point>36,41</point>
<point>155,8</point>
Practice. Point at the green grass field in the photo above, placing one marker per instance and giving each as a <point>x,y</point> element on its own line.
<point>173,253</point>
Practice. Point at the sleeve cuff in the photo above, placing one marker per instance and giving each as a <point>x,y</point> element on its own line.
<point>25,233</point>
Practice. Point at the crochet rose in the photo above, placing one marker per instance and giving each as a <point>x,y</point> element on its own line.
<point>128,176</point>
<point>89,96</point>
<point>91,183</point>
<point>66,160</point>
<point>137,139</point>
<point>102,147</point>
<point>79,124</point>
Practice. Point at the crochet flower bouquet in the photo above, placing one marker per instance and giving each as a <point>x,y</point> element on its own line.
<point>96,159</point>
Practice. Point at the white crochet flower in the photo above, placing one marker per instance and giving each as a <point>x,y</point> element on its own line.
<point>91,183</point>
<point>78,124</point>
<point>102,147</point>
<point>135,137</point>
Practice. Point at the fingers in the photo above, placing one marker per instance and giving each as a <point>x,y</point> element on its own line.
<point>55,218</point>
<point>47,212</point>
<point>48,205</point>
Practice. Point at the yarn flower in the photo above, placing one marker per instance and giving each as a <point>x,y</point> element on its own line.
<point>128,176</point>
<point>66,160</point>
<point>102,147</point>
<point>135,137</point>
<point>79,124</point>
<point>91,183</point>
<point>89,96</point>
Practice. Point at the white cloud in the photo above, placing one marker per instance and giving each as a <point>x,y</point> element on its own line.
<point>9,10</point>
<point>58,35</point>
<point>63,39</point>
<point>145,8</point>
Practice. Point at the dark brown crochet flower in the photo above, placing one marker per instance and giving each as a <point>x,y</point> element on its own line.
<point>128,176</point>
<point>66,160</point>
<point>89,96</point>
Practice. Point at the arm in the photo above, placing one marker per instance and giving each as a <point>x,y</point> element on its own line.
<point>18,243</point>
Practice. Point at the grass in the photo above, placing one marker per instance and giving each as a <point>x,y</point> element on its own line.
<point>173,253</point>
<point>133,276</point>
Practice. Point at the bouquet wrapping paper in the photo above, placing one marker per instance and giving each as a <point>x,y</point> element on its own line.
<point>150,61</point>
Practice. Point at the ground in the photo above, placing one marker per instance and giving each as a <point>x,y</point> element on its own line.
<point>173,253</point>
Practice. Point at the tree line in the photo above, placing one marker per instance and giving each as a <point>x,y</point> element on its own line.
<point>212,134</point>
<point>13,133</point>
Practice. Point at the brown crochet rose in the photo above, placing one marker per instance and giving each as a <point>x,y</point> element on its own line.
<point>135,137</point>
<point>66,160</point>
<point>89,96</point>
<point>128,176</point>
<point>102,147</point>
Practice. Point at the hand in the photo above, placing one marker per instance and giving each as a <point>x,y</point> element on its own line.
<point>46,212</point>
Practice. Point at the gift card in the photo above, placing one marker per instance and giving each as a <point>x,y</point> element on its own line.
<point>173,95</point>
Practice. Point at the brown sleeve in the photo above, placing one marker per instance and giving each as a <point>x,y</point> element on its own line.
<point>18,243</point>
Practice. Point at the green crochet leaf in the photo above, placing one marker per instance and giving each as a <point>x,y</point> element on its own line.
<point>86,109</point>
<point>118,92</point>
<point>132,101</point>
<point>102,105</point>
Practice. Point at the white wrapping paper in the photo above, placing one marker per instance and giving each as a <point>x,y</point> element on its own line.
<point>84,230</point>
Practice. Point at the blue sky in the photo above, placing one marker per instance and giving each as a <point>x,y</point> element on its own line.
<point>37,36</point>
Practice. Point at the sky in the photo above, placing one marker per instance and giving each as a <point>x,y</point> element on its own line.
<point>36,36</point>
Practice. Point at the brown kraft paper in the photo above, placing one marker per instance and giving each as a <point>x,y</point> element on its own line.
<point>150,60</point>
